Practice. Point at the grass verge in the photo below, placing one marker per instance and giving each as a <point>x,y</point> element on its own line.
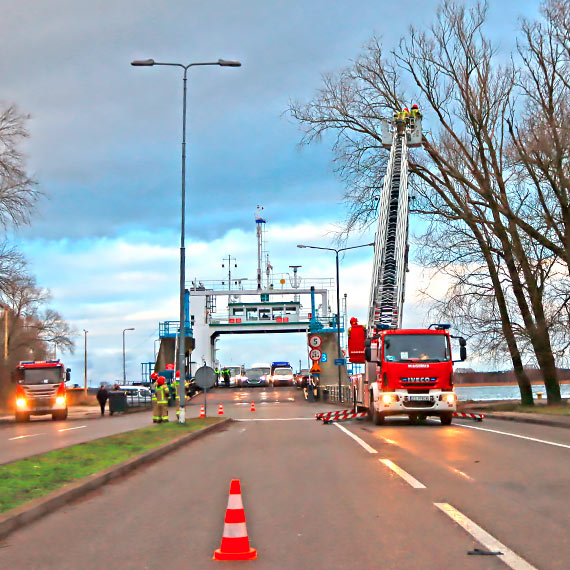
<point>24,480</point>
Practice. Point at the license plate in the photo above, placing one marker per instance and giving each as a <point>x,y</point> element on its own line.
<point>419,398</point>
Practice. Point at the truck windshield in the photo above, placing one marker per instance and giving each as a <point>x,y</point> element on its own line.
<point>283,372</point>
<point>41,376</point>
<point>234,370</point>
<point>416,348</point>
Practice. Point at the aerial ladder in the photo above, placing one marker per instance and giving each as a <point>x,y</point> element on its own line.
<point>391,244</point>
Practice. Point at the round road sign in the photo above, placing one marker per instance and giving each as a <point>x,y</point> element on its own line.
<point>315,341</point>
<point>315,354</point>
<point>205,377</point>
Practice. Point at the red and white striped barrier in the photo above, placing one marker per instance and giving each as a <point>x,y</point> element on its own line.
<point>470,415</point>
<point>327,415</point>
<point>340,415</point>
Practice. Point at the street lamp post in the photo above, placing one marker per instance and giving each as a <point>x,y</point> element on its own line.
<point>337,251</point>
<point>124,367</point>
<point>85,362</point>
<point>182,331</point>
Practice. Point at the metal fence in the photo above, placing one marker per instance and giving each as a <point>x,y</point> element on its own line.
<point>331,393</point>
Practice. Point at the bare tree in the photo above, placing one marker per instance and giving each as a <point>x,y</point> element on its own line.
<point>18,191</point>
<point>469,99</point>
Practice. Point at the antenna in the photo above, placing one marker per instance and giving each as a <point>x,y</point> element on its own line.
<point>259,222</point>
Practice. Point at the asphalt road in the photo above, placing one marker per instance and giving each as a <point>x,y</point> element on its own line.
<point>398,496</point>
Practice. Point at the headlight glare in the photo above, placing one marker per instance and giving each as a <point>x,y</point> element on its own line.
<point>60,400</point>
<point>21,403</point>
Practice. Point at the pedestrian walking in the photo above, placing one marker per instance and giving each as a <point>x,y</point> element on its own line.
<point>102,397</point>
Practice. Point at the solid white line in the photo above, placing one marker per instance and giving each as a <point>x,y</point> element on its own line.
<point>519,436</point>
<point>272,419</point>
<point>69,429</point>
<point>403,474</point>
<point>23,436</point>
<point>491,543</point>
<point>357,439</point>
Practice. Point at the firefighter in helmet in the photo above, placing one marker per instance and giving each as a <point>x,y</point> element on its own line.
<point>161,412</point>
<point>416,112</point>
<point>154,378</point>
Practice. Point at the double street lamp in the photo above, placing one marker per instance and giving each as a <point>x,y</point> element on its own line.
<point>182,333</point>
<point>337,251</point>
<point>124,368</point>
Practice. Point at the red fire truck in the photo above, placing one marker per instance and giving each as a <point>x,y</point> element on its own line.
<point>407,371</point>
<point>40,389</point>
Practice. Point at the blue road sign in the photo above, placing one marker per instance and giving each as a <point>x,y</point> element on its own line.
<point>339,362</point>
<point>324,357</point>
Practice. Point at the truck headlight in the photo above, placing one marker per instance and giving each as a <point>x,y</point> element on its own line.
<point>21,403</point>
<point>450,398</point>
<point>60,400</point>
<point>387,399</point>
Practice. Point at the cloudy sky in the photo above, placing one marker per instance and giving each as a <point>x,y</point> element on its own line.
<point>105,149</point>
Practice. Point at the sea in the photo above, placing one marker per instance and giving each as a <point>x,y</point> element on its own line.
<point>505,392</point>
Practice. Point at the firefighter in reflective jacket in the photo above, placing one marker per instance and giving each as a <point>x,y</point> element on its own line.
<point>154,378</point>
<point>160,412</point>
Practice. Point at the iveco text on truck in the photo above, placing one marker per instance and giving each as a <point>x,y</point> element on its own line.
<point>40,389</point>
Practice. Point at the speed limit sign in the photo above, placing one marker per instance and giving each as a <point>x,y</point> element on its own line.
<point>315,354</point>
<point>315,341</point>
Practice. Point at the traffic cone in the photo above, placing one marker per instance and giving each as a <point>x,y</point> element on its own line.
<point>252,409</point>
<point>202,411</point>
<point>220,410</point>
<point>235,542</point>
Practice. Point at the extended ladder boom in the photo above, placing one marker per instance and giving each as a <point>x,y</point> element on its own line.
<point>390,248</point>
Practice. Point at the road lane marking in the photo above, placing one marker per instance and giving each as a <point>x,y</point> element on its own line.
<point>69,429</point>
<point>390,441</point>
<point>491,543</point>
<point>23,436</point>
<point>271,419</point>
<point>356,438</point>
<point>403,474</point>
<point>462,474</point>
<point>519,436</point>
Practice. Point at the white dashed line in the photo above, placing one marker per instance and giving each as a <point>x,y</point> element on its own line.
<point>357,439</point>
<point>272,419</point>
<point>23,436</point>
<point>403,474</point>
<point>491,543</point>
<point>69,429</point>
<point>518,436</point>
<point>464,475</point>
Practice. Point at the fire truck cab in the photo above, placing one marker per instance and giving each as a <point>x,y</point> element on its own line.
<point>40,389</point>
<point>410,372</point>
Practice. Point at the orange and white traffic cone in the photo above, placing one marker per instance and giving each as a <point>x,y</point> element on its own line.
<point>202,411</point>
<point>220,410</point>
<point>252,409</point>
<point>235,542</point>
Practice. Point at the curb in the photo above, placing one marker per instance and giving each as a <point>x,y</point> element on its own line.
<point>525,420</point>
<point>25,514</point>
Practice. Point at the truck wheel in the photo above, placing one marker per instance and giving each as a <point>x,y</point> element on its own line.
<point>60,415</point>
<point>445,418</point>
<point>22,417</point>
<point>377,417</point>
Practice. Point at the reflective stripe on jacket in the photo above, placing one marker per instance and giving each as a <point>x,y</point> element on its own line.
<point>162,394</point>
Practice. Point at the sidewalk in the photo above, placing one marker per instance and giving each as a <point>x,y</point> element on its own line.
<point>524,417</point>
